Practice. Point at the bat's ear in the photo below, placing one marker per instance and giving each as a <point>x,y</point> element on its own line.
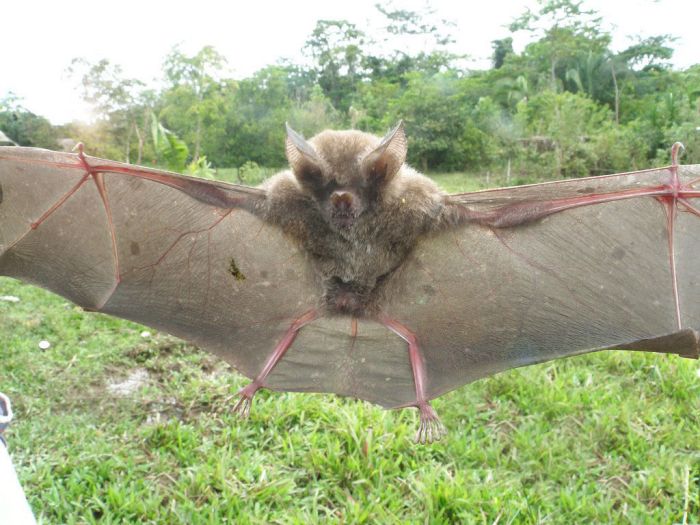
<point>386,160</point>
<point>302,157</point>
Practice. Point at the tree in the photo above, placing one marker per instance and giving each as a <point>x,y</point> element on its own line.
<point>566,105</point>
<point>315,114</point>
<point>116,100</point>
<point>411,41</point>
<point>501,49</point>
<point>572,136</point>
<point>567,32</point>
<point>603,74</point>
<point>434,121</point>
<point>255,116</point>
<point>193,100</point>
<point>23,126</point>
<point>402,22</point>
<point>336,47</point>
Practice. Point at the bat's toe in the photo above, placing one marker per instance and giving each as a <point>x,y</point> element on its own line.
<point>242,407</point>
<point>245,401</point>
<point>431,428</point>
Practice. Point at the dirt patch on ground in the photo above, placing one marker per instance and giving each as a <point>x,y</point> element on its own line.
<point>126,387</point>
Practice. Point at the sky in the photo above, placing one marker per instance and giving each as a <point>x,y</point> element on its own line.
<point>40,38</point>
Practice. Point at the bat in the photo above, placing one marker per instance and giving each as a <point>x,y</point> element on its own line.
<point>351,273</point>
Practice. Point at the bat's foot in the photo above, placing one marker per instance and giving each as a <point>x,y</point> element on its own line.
<point>242,407</point>
<point>431,428</point>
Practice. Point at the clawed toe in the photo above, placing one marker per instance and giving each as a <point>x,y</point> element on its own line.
<point>431,428</point>
<point>242,407</point>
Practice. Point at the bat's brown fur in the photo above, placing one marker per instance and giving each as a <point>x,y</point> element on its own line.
<point>390,210</point>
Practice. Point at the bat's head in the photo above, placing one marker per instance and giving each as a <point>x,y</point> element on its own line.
<point>346,172</point>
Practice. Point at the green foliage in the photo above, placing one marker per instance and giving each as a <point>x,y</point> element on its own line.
<point>194,100</point>
<point>563,121</point>
<point>201,168</point>
<point>28,129</point>
<point>250,173</point>
<point>501,49</point>
<point>254,121</point>
<point>170,149</point>
<point>687,133</point>
<point>121,104</point>
<point>315,114</point>
<point>24,127</point>
<point>567,105</point>
<point>336,48</point>
<point>428,112</point>
<point>96,137</point>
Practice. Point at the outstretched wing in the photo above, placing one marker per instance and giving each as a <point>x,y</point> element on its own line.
<point>614,262</point>
<point>611,262</point>
<point>172,252</point>
<point>183,255</point>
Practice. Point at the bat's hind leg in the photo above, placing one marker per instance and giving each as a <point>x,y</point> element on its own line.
<point>431,428</point>
<point>242,407</point>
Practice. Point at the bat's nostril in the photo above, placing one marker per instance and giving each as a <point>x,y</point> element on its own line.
<point>342,199</point>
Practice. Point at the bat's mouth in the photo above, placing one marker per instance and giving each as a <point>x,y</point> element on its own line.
<point>343,221</point>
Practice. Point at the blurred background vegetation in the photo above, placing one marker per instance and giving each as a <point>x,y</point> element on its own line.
<point>566,106</point>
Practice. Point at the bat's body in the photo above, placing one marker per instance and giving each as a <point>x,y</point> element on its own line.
<point>356,228</point>
<point>351,273</point>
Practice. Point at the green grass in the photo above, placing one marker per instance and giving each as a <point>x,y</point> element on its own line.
<point>460,182</point>
<point>251,178</point>
<point>601,438</point>
<point>611,437</point>
<point>455,182</point>
<point>451,182</point>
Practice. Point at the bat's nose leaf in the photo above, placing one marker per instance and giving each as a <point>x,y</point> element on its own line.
<point>342,200</point>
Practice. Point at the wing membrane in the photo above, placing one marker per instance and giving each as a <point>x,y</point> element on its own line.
<point>592,277</point>
<point>184,256</point>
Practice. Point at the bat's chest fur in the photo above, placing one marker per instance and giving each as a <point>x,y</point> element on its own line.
<point>355,263</point>
<point>355,268</point>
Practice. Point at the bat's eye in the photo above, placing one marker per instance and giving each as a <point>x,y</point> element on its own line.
<point>309,174</point>
<point>342,200</point>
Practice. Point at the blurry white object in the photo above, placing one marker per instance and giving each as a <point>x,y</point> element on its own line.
<point>14,508</point>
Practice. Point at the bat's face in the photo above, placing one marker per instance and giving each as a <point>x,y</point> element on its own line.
<point>345,171</point>
<point>342,207</point>
<point>340,188</point>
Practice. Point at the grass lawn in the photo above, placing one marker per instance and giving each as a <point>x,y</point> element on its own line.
<point>451,182</point>
<point>114,425</point>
